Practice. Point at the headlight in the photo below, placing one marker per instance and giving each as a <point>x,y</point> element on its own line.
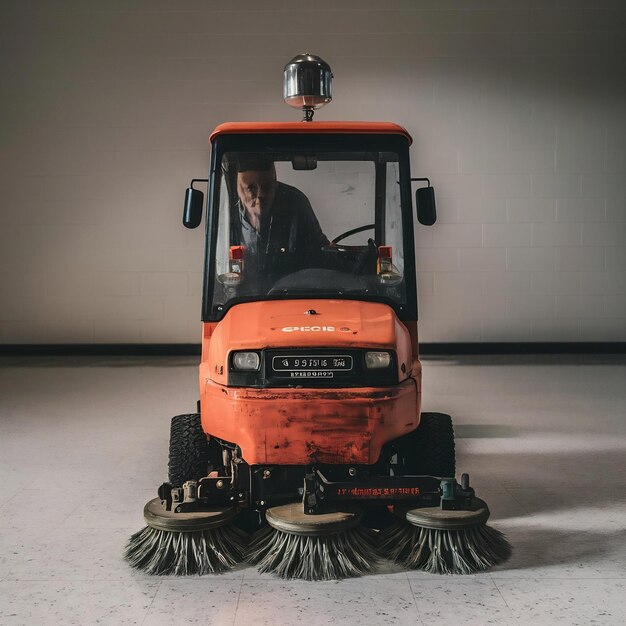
<point>377,360</point>
<point>247,361</point>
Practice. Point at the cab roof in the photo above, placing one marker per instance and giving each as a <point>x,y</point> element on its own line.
<point>294,128</point>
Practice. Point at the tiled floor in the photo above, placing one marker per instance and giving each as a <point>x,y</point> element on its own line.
<point>83,445</point>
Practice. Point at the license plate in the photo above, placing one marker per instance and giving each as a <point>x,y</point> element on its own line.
<point>312,364</point>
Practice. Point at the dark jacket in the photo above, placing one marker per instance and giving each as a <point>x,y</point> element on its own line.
<point>290,237</point>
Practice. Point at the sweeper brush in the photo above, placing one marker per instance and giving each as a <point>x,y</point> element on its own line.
<point>328,546</point>
<point>185,544</point>
<point>445,542</point>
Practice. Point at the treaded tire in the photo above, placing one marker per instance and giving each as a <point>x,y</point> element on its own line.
<point>189,450</point>
<point>430,448</point>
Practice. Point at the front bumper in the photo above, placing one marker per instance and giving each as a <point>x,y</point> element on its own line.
<point>306,426</point>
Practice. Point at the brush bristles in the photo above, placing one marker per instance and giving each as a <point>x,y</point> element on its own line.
<point>164,552</point>
<point>342,555</point>
<point>445,551</point>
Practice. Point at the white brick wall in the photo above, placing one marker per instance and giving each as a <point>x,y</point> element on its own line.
<point>516,108</point>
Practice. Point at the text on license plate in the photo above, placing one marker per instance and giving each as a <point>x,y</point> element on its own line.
<point>309,364</point>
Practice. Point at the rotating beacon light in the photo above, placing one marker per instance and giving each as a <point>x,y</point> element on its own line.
<point>307,84</point>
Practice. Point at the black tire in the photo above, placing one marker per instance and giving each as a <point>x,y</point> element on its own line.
<point>189,450</point>
<point>430,448</point>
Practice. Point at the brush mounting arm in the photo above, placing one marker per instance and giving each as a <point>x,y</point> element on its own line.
<point>415,491</point>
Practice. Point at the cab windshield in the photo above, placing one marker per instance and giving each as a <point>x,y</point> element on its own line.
<point>320,224</point>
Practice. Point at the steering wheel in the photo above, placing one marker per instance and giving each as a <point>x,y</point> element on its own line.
<point>354,231</point>
<point>364,255</point>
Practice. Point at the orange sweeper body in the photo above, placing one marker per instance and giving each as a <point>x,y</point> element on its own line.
<point>300,426</point>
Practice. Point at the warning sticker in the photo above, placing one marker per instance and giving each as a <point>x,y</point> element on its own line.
<point>378,492</point>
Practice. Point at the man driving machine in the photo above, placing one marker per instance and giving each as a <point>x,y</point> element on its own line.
<point>276,224</point>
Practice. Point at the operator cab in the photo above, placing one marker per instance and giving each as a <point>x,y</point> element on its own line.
<point>308,210</point>
<point>331,226</point>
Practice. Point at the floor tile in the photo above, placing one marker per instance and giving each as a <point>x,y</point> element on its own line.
<point>79,602</point>
<point>197,600</point>
<point>349,602</point>
<point>72,554</point>
<point>105,509</point>
<point>572,602</point>
<point>460,600</point>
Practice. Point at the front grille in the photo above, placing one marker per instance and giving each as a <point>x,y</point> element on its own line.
<point>322,367</point>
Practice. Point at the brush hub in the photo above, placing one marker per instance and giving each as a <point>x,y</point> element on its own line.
<point>157,516</point>
<point>439,519</point>
<point>291,519</point>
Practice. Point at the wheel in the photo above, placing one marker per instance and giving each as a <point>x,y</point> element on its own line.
<point>189,450</point>
<point>430,448</point>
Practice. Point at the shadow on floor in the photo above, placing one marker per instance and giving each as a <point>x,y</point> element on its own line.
<point>484,431</point>
<point>550,481</point>
<point>540,547</point>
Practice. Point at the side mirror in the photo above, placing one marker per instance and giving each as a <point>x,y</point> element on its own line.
<point>192,211</point>
<point>425,204</point>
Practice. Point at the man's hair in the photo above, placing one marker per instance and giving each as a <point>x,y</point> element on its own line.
<point>254,162</point>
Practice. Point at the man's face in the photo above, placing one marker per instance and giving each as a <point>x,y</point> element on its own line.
<point>256,191</point>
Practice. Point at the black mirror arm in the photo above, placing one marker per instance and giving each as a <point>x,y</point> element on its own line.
<point>421,180</point>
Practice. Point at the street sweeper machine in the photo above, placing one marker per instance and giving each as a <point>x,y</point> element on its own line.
<point>309,455</point>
